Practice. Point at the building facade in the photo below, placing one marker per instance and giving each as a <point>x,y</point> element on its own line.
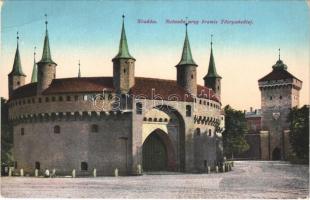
<point>122,122</point>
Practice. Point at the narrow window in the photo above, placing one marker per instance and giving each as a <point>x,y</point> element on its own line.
<point>68,98</point>
<point>155,119</point>
<point>37,165</point>
<point>40,100</point>
<point>280,97</point>
<point>53,99</point>
<point>18,83</point>
<point>124,71</point>
<point>139,108</point>
<point>76,98</point>
<point>60,98</point>
<point>57,129</point>
<point>160,120</point>
<point>47,99</point>
<point>192,76</point>
<point>84,166</point>
<point>199,101</point>
<point>94,128</point>
<point>210,132</point>
<point>144,119</point>
<point>22,131</point>
<point>270,97</point>
<point>150,119</point>
<point>188,110</point>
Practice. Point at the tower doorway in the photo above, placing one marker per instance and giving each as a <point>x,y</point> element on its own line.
<point>276,154</point>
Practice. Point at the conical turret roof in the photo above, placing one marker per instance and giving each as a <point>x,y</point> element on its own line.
<point>17,66</point>
<point>187,58</point>
<point>123,51</point>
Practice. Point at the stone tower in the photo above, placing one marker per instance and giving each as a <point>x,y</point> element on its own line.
<point>212,79</point>
<point>279,93</point>
<point>16,77</point>
<point>46,66</point>
<point>34,76</point>
<point>123,66</point>
<point>186,68</point>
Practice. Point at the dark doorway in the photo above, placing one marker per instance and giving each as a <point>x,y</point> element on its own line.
<point>276,154</point>
<point>37,165</point>
<point>154,153</point>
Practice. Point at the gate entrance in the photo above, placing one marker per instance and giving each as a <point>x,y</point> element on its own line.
<point>276,154</point>
<point>154,153</point>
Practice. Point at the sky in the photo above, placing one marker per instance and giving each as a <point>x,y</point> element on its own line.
<point>89,31</point>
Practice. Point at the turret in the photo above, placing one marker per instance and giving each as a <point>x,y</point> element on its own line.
<point>46,66</point>
<point>212,79</point>
<point>16,77</point>
<point>34,76</point>
<point>186,68</point>
<point>123,66</point>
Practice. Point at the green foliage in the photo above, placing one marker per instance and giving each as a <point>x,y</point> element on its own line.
<point>299,132</point>
<point>235,128</point>
<point>6,134</point>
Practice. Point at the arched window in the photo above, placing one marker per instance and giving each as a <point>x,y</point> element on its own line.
<point>155,119</point>
<point>94,128</point>
<point>150,119</point>
<point>210,132</point>
<point>22,131</point>
<point>57,129</point>
<point>84,166</point>
<point>188,110</point>
<point>144,119</point>
<point>160,120</point>
<point>139,108</point>
<point>198,131</point>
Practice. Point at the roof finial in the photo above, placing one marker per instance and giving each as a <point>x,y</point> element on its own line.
<point>46,22</point>
<point>79,73</point>
<point>17,37</point>
<point>211,40</point>
<point>186,22</point>
<point>34,52</point>
<point>279,54</point>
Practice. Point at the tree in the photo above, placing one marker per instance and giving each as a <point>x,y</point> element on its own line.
<point>299,132</point>
<point>235,127</point>
<point>6,134</point>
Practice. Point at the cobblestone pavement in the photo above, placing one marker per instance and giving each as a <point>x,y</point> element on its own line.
<point>249,179</point>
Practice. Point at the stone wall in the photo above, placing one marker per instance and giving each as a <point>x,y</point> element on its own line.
<point>104,150</point>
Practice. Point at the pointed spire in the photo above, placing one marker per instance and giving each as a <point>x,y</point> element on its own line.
<point>279,54</point>
<point>212,69</point>
<point>187,58</point>
<point>17,67</point>
<point>123,51</point>
<point>46,55</point>
<point>79,73</point>
<point>34,76</point>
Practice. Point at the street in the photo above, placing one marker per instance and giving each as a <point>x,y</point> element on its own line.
<point>249,179</point>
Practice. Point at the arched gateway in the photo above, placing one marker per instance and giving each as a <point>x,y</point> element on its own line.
<point>163,146</point>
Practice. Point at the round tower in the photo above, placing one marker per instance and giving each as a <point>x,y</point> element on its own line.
<point>16,77</point>
<point>46,66</point>
<point>212,79</point>
<point>123,66</point>
<point>186,68</point>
